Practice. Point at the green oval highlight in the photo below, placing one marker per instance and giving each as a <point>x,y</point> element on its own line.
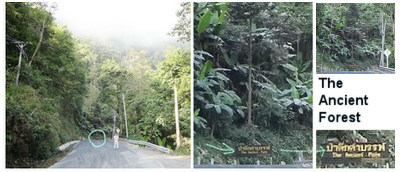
<point>97,146</point>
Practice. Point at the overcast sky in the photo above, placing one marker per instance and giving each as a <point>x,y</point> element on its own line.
<point>136,23</point>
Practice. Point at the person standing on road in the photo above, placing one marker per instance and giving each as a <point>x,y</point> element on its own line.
<point>116,137</point>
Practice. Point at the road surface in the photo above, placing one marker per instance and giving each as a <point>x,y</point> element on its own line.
<point>346,72</point>
<point>375,71</point>
<point>84,155</point>
<point>251,166</point>
<point>296,164</point>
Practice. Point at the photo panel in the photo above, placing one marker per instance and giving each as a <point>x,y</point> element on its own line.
<point>356,149</point>
<point>355,38</point>
<point>98,84</point>
<point>253,84</point>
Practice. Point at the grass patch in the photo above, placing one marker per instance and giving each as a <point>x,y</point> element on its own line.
<point>182,151</point>
<point>54,159</point>
<point>26,162</point>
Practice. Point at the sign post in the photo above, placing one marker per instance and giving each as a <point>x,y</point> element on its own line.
<point>118,131</point>
<point>387,53</point>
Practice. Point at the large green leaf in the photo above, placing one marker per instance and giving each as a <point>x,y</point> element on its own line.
<point>207,66</point>
<point>227,109</point>
<point>289,67</point>
<point>222,16</point>
<point>291,82</point>
<point>240,112</point>
<point>310,99</point>
<point>204,22</point>
<point>217,109</point>
<point>214,19</point>
<point>295,93</point>
<point>196,113</point>
<point>225,98</point>
<point>209,106</point>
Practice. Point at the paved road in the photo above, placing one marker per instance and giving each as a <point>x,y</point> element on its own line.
<point>347,72</point>
<point>375,71</point>
<point>85,155</point>
<point>252,166</point>
<point>296,164</point>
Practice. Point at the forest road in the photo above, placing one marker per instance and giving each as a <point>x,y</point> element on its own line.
<point>376,71</point>
<point>346,72</point>
<point>84,155</point>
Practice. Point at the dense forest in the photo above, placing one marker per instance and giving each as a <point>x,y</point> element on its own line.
<point>354,34</point>
<point>359,136</point>
<point>252,79</point>
<point>59,87</point>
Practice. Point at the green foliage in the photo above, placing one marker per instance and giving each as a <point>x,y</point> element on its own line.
<point>31,125</point>
<point>182,28</point>
<point>281,77</point>
<point>350,34</point>
<point>210,14</point>
<point>204,21</point>
<point>75,86</point>
<point>207,66</point>
<point>148,95</point>
<point>184,148</point>
<point>43,109</point>
<point>161,142</point>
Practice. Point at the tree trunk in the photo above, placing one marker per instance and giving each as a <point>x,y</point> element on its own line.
<point>298,47</point>
<point>212,127</point>
<point>249,103</point>
<point>392,21</point>
<point>383,40</point>
<point>120,118</point>
<point>40,42</point>
<point>126,122</point>
<point>113,126</point>
<point>178,133</point>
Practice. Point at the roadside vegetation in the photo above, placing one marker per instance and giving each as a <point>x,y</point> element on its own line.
<point>69,86</point>
<point>252,79</point>
<point>349,36</point>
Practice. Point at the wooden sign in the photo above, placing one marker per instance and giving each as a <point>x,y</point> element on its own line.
<point>353,152</point>
<point>253,150</point>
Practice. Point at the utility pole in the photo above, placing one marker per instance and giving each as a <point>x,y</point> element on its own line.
<point>20,45</point>
<point>178,135</point>
<point>113,127</point>
<point>383,29</point>
<point>126,122</point>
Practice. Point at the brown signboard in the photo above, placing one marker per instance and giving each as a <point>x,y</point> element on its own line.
<point>353,152</point>
<point>253,150</point>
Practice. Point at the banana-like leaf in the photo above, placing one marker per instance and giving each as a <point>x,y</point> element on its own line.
<point>291,82</point>
<point>240,112</point>
<point>227,109</point>
<point>204,22</point>
<point>200,98</point>
<point>310,99</point>
<point>207,67</point>
<point>290,69</point>
<point>295,93</point>
<point>217,109</point>
<point>196,113</point>
<point>209,106</point>
<point>214,18</point>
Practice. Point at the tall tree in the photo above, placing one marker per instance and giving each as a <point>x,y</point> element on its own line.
<point>182,28</point>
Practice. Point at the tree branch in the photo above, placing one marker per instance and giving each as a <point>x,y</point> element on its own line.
<point>40,41</point>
